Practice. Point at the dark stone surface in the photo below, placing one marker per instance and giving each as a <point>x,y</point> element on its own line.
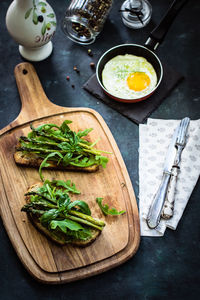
<point>163,268</point>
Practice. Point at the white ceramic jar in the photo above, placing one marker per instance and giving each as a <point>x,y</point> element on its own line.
<point>32,24</point>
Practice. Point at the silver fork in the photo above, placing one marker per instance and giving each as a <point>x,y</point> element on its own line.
<point>168,208</point>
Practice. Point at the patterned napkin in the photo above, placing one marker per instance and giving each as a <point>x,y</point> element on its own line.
<point>154,139</point>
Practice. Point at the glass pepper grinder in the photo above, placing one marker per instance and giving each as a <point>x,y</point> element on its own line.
<point>136,13</point>
<point>84,19</point>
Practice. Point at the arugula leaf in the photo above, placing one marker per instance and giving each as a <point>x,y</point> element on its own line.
<point>106,210</point>
<point>65,224</point>
<point>45,164</point>
<point>84,132</point>
<point>102,160</point>
<point>84,162</point>
<point>49,216</point>
<point>64,127</point>
<point>67,158</point>
<point>68,185</point>
<point>45,127</point>
<point>63,201</point>
<point>83,234</point>
<point>84,208</point>
<point>49,190</point>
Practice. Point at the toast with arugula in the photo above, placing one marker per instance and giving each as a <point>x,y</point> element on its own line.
<point>58,147</point>
<point>51,211</point>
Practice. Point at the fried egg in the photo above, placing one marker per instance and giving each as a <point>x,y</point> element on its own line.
<point>129,76</point>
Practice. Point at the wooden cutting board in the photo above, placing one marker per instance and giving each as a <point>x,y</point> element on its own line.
<point>45,260</point>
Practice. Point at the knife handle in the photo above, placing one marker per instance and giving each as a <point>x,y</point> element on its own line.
<point>168,208</point>
<point>153,217</point>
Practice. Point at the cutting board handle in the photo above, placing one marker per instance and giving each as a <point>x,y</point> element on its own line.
<point>35,103</point>
<point>29,87</point>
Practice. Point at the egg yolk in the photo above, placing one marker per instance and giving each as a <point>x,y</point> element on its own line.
<point>138,81</point>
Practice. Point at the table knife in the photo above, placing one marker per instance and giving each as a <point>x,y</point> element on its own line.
<point>168,208</point>
<point>154,214</point>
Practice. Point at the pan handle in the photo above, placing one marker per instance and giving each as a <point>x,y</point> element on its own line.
<point>158,34</point>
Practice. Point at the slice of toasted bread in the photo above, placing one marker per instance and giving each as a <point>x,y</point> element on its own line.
<point>60,237</point>
<point>33,160</point>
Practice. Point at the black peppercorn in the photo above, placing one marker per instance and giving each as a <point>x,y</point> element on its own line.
<point>92,65</point>
<point>76,69</point>
<point>40,18</point>
<point>90,52</point>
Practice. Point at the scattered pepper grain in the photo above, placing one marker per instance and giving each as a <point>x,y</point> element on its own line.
<point>76,69</point>
<point>92,65</point>
<point>90,52</point>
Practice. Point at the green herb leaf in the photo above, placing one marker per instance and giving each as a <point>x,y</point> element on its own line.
<point>66,224</point>
<point>42,3</point>
<point>35,17</point>
<point>51,15</point>
<point>68,185</point>
<point>106,210</point>
<point>63,201</point>
<point>27,14</point>
<point>84,162</point>
<point>84,132</point>
<point>103,160</point>
<point>45,164</point>
<point>46,127</point>
<point>53,23</point>
<point>48,216</point>
<point>67,158</point>
<point>64,127</point>
<point>83,206</point>
<point>43,30</point>
<point>83,235</point>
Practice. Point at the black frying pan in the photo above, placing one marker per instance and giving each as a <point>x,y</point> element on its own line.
<point>147,51</point>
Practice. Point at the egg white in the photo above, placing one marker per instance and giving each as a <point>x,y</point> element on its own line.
<point>116,71</point>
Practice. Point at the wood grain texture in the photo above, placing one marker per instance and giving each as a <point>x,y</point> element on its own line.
<point>45,260</point>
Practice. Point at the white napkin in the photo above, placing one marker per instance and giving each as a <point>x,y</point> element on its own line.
<point>154,139</point>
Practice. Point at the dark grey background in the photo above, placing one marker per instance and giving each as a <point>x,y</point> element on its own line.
<point>163,268</point>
